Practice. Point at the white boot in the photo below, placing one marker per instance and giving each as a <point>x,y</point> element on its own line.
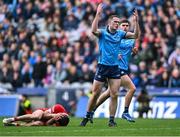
<point>8,120</point>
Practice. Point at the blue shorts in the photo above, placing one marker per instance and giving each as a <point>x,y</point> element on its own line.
<point>123,72</point>
<point>105,72</point>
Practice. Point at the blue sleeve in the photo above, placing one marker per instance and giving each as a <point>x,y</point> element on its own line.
<point>101,32</point>
<point>122,34</point>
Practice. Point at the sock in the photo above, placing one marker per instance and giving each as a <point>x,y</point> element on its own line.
<point>92,114</point>
<point>111,119</point>
<point>88,114</point>
<point>126,110</point>
<point>11,119</point>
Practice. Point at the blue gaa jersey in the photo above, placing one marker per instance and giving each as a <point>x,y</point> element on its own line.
<point>108,46</point>
<point>125,49</point>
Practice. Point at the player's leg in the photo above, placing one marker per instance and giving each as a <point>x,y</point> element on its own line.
<point>96,90</point>
<point>33,123</point>
<point>114,85</point>
<point>127,83</point>
<point>11,124</point>
<point>12,119</point>
<point>36,115</point>
<point>105,95</point>
<point>98,82</point>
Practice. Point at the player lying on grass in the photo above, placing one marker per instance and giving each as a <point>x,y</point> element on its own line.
<point>56,116</point>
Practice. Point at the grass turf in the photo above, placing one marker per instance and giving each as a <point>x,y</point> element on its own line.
<point>142,127</point>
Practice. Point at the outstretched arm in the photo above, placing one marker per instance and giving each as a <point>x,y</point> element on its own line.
<point>50,122</point>
<point>136,33</point>
<point>55,119</point>
<point>135,50</point>
<point>95,22</point>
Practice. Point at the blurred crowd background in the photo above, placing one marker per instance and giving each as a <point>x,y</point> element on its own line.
<point>49,42</point>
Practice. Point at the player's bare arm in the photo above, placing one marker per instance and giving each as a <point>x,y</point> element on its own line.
<point>94,28</point>
<point>136,48</point>
<point>135,51</point>
<point>54,121</point>
<point>50,121</point>
<point>135,34</point>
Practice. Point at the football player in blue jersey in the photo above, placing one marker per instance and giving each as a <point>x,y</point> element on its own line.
<point>108,40</point>
<point>126,48</point>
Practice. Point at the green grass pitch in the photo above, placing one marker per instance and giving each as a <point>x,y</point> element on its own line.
<point>142,127</point>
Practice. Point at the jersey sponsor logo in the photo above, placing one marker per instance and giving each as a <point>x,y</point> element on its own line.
<point>117,37</point>
<point>122,72</point>
<point>119,56</point>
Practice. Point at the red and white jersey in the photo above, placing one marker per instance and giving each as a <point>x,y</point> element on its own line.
<point>55,109</point>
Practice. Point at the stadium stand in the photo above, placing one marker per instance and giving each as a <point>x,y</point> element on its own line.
<point>45,42</point>
<point>48,43</point>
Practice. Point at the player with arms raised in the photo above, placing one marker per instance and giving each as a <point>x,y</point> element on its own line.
<point>109,40</point>
<point>126,48</point>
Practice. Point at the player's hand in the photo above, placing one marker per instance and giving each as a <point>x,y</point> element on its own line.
<point>100,9</point>
<point>135,16</point>
<point>134,51</point>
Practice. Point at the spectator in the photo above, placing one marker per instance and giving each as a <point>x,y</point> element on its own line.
<point>26,74</point>
<point>59,74</point>
<point>164,79</point>
<point>5,74</point>
<point>72,75</point>
<point>16,79</point>
<point>39,71</point>
<point>25,106</point>
<point>48,79</point>
<point>85,74</point>
<point>174,58</point>
<point>71,22</point>
<point>174,79</point>
<point>143,100</point>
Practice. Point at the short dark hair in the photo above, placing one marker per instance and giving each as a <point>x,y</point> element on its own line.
<point>124,21</point>
<point>112,16</point>
<point>64,121</point>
